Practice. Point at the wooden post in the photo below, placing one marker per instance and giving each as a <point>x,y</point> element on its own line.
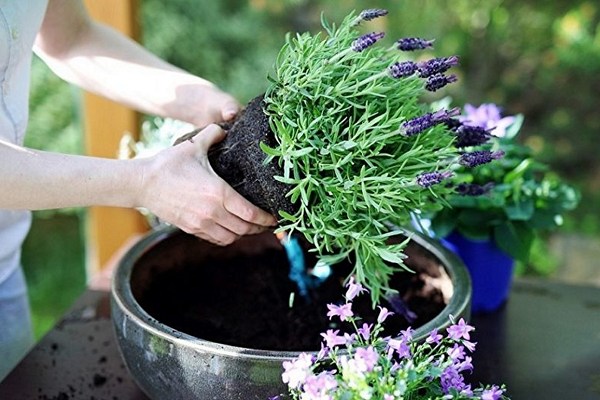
<point>108,228</point>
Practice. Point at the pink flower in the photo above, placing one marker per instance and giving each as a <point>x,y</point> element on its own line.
<point>460,330</point>
<point>354,289</point>
<point>332,338</point>
<point>383,314</point>
<point>343,312</point>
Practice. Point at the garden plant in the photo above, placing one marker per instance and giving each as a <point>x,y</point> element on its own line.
<point>361,363</point>
<point>344,147</point>
<point>510,201</point>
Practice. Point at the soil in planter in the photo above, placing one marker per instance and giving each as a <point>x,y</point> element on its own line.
<point>244,300</point>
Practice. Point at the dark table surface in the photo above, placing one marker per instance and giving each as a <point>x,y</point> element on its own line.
<point>543,344</point>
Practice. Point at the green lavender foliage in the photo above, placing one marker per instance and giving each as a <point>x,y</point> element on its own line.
<point>337,116</point>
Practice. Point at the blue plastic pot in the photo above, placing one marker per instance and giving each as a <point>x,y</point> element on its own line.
<point>490,268</point>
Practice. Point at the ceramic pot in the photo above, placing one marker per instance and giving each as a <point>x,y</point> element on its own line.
<point>491,271</point>
<point>169,364</point>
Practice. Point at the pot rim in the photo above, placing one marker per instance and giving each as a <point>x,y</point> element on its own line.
<point>122,297</point>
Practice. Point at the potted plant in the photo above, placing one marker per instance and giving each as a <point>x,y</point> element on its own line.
<point>363,363</point>
<point>499,209</point>
<point>344,148</point>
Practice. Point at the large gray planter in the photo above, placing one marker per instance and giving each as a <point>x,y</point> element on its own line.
<point>169,364</point>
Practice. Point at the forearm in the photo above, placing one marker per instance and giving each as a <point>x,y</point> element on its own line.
<point>111,65</point>
<point>36,180</point>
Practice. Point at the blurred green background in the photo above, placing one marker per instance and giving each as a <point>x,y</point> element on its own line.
<point>539,58</point>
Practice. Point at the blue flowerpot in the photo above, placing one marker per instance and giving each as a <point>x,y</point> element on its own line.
<point>490,268</point>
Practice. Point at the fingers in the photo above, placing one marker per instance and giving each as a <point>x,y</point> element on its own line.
<point>229,110</point>
<point>207,137</point>
<point>246,211</point>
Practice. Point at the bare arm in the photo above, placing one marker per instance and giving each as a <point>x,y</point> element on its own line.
<point>105,62</point>
<point>178,185</point>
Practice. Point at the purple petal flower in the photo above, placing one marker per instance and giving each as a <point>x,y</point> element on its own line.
<point>332,338</point>
<point>428,179</point>
<point>479,157</point>
<point>493,393</point>
<point>460,330</point>
<point>354,289</point>
<point>413,43</point>
<point>402,69</point>
<point>487,116</point>
<point>343,312</point>
<point>471,135</point>
<point>366,41</point>
<point>426,121</point>
<point>438,81</point>
<point>457,352</point>
<point>400,347</point>
<point>452,379</point>
<point>473,189</point>
<point>296,371</point>
<point>366,358</point>
<point>365,331</point>
<point>383,314</point>
<point>434,337</point>
<point>372,13</point>
<point>436,66</point>
<point>320,386</point>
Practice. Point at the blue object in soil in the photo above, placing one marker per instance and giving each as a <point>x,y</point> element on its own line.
<point>490,268</point>
<point>297,268</point>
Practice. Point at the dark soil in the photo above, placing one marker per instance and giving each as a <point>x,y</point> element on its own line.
<point>240,295</point>
<point>239,160</point>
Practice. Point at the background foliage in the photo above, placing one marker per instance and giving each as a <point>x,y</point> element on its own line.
<point>540,58</point>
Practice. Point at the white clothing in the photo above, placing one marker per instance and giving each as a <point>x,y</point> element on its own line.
<point>19,24</point>
<point>20,21</point>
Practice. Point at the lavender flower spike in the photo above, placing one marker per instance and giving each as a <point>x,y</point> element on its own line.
<point>436,66</point>
<point>473,189</point>
<point>426,121</point>
<point>438,81</point>
<point>428,179</point>
<point>402,69</point>
<point>470,135</point>
<point>369,14</point>
<point>366,41</point>
<point>479,157</point>
<point>412,43</point>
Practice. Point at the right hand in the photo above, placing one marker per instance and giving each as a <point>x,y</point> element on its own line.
<point>180,187</point>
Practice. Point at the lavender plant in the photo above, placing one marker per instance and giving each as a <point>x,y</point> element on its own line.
<point>364,364</point>
<point>357,144</point>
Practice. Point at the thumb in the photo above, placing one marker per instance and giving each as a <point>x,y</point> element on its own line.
<point>207,137</point>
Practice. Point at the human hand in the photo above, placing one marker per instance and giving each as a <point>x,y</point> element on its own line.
<point>180,187</point>
<point>203,104</point>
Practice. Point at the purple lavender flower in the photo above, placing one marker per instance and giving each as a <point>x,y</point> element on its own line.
<point>320,386</point>
<point>436,66</point>
<point>426,121</point>
<point>428,179</point>
<point>471,135</point>
<point>473,189</point>
<point>372,13</point>
<point>413,43</point>
<point>479,157</point>
<point>366,41</point>
<point>296,371</point>
<point>402,69</point>
<point>438,81</point>
<point>343,312</point>
<point>400,346</point>
<point>487,116</point>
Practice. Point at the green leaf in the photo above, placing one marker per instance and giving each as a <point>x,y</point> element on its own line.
<point>521,210</point>
<point>514,238</point>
